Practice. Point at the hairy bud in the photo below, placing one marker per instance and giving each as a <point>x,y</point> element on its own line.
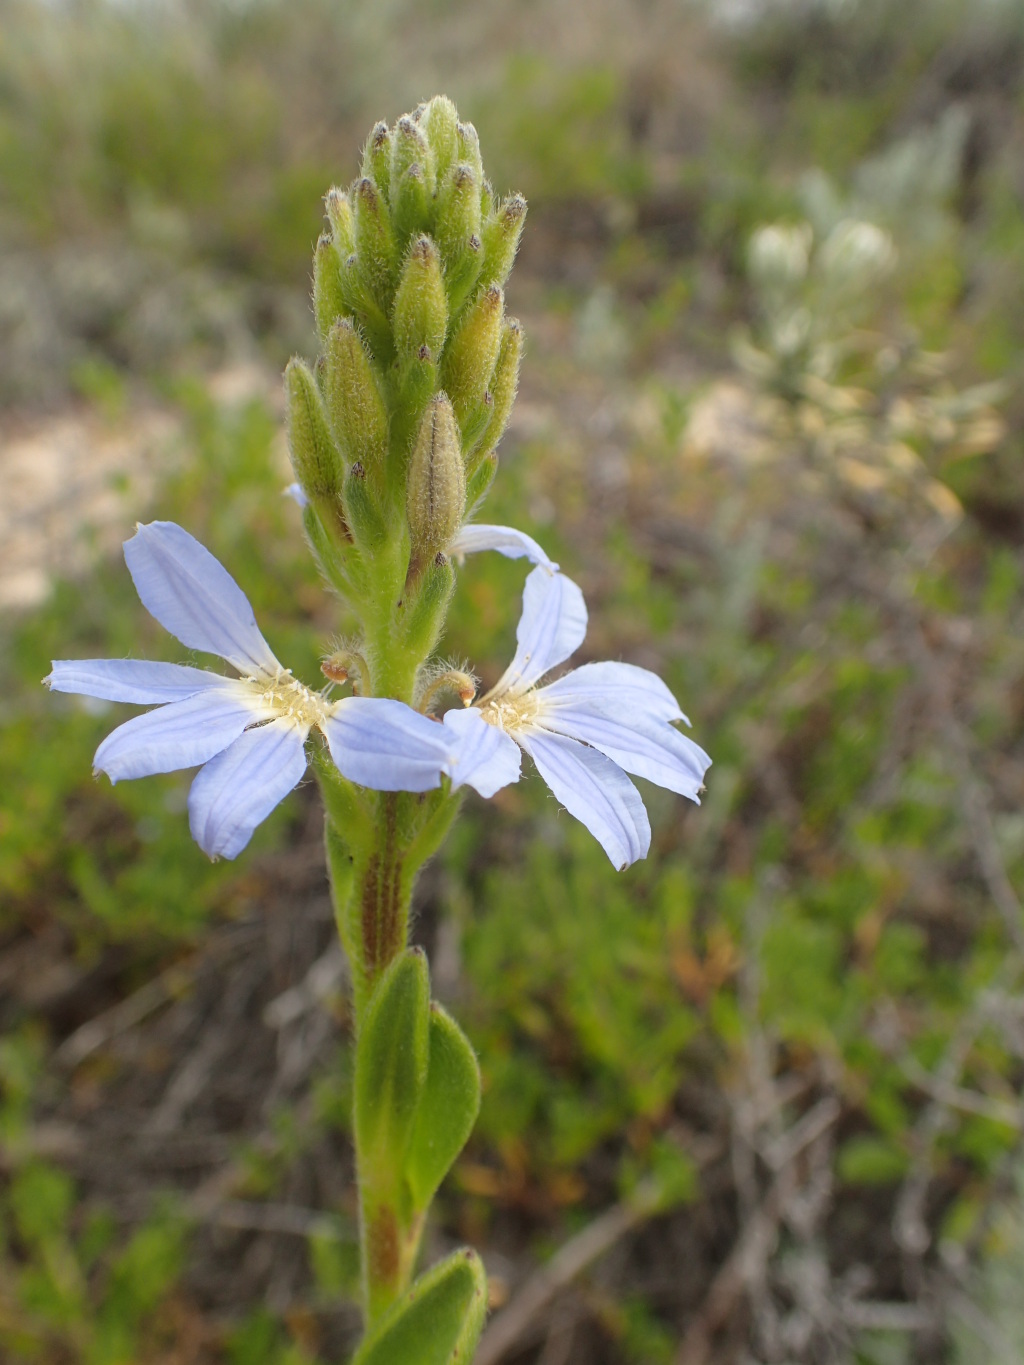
<point>328,297</point>
<point>458,212</point>
<point>472,352</point>
<point>500,235</point>
<point>409,147</point>
<point>354,401</point>
<point>377,157</point>
<point>437,481</point>
<point>375,241</point>
<point>420,316</point>
<point>439,120</point>
<point>342,220</point>
<point>504,384</point>
<point>315,459</point>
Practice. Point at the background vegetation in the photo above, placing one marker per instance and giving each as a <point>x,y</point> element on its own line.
<point>757,1099</point>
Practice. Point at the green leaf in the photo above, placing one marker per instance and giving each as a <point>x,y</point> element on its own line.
<point>448,1108</point>
<point>436,1322</point>
<point>391,1067</point>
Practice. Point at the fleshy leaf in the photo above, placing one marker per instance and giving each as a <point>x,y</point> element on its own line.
<point>391,1067</point>
<point>436,1322</point>
<point>448,1108</point>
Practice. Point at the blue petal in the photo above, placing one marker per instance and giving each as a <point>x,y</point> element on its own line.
<point>486,758</point>
<point>179,735</point>
<point>193,596</point>
<point>642,746</point>
<point>506,540</point>
<point>387,745</point>
<point>552,626</point>
<point>239,788</point>
<point>297,493</point>
<point>136,680</point>
<point>596,791</point>
<point>625,686</point>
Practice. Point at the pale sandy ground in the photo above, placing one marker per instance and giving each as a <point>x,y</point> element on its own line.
<point>72,486</point>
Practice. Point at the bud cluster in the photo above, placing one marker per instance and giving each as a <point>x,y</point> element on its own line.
<point>393,433</point>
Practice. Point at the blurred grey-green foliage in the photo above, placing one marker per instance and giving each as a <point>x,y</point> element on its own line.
<point>771,419</point>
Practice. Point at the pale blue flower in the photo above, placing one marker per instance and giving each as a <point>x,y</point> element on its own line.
<point>585,730</point>
<point>249,731</point>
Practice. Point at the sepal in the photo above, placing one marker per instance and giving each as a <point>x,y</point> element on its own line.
<point>436,1322</point>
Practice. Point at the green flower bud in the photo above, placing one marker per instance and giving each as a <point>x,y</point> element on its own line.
<point>342,220</point>
<point>501,234</point>
<point>479,482</point>
<point>458,213</point>
<point>354,401</point>
<point>504,383</point>
<point>469,149</point>
<point>315,459</point>
<point>409,147</point>
<point>439,120</point>
<point>377,156</point>
<point>461,278</point>
<point>437,482</point>
<point>363,515</point>
<point>420,316</point>
<point>329,300</point>
<point>359,301</point>
<point>411,203</point>
<point>471,354</point>
<point>375,241</point>
<point>429,590</point>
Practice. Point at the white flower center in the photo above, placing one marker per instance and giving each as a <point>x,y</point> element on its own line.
<point>290,698</point>
<point>511,711</point>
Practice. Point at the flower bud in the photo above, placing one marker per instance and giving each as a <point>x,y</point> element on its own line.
<point>471,354</point>
<point>500,237</point>
<point>420,316</point>
<point>409,147</point>
<point>328,298</point>
<point>411,203</point>
<point>359,301</point>
<point>375,241</point>
<point>480,480</point>
<point>437,482</point>
<point>363,515</point>
<point>439,120</point>
<point>377,157</point>
<point>857,253</point>
<point>778,255</point>
<point>354,401</point>
<point>504,384</point>
<point>469,149</point>
<point>458,213</point>
<point>315,459</point>
<point>340,216</point>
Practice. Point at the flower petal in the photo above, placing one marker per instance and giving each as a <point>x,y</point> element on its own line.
<point>193,596</point>
<point>486,758</point>
<point>506,540</point>
<point>552,626</point>
<point>239,788</point>
<point>624,686</point>
<point>388,746</point>
<point>136,680</point>
<point>642,746</point>
<point>179,735</point>
<point>596,791</point>
<point>297,493</point>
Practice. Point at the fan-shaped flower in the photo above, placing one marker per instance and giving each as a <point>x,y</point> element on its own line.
<point>585,730</point>
<point>249,731</point>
